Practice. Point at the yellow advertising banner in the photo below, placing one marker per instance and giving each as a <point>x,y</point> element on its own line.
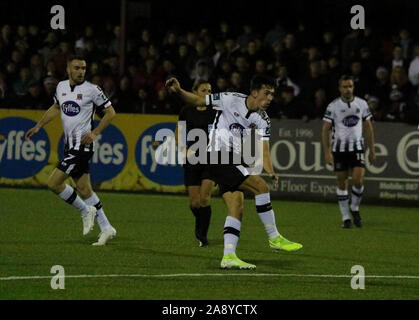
<point>123,159</point>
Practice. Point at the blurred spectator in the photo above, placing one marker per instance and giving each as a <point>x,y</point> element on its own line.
<point>221,84</point>
<point>60,59</point>
<point>414,67</point>
<point>333,75</point>
<point>313,81</point>
<point>360,78</point>
<point>236,83</point>
<point>399,95</point>
<point>350,47</point>
<point>50,85</point>
<point>36,68</point>
<point>406,43</point>
<point>162,104</point>
<point>169,49</point>
<point>275,34</point>
<point>290,107</point>
<point>381,88</point>
<point>124,98</point>
<point>20,86</point>
<point>291,56</point>
<point>242,67</point>
<point>201,72</point>
<point>398,60</point>
<point>247,36</point>
<point>318,105</point>
<point>143,102</point>
<point>375,108</point>
<point>330,46</point>
<point>282,79</point>
<point>34,99</point>
<point>49,49</point>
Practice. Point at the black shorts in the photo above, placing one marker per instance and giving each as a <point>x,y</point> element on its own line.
<point>75,162</point>
<point>194,174</point>
<point>228,176</point>
<point>347,160</point>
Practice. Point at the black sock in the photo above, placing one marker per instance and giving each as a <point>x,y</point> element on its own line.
<point>196,213</point>
<point>205,218</point>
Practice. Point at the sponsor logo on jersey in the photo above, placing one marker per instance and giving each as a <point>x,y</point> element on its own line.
<point>21,159</point>
<point>110,154</point>
<point>350,121</point>
<point>70,108</point>
<point>146,152</point>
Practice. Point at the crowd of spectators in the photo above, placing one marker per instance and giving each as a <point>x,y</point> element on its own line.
<point>306,68</point>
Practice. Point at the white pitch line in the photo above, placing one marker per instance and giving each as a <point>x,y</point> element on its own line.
<point>210,275</point>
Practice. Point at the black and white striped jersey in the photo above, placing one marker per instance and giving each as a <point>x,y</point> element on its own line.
<point>347,119</point>
<point>234,118</point>
<point>78,104</point>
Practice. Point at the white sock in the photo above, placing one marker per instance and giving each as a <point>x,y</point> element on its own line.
<point>356,198</point>
<point>266,214</point>
<point>101,218</point>
<point>70,196</point>
<point>232,228</point>
<point>343,200</point>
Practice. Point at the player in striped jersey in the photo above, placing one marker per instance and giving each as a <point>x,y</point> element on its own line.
<point>347,115</point>
<point>76,100</point>
<point>235,113</point>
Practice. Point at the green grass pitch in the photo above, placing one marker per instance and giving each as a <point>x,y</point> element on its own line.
<point>155,237</point>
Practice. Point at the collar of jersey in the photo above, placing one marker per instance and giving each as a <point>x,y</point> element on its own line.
<point>73,87</point>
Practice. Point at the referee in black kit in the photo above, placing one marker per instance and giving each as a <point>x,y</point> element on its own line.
<point>196,176</point>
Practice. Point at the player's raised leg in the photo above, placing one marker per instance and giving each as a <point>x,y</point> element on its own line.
<point>232,227</point>
<point>256,185</point>
<point>107,232</point>
<point>68,194</point>
<point>357,192</point>
<point>343,197</point>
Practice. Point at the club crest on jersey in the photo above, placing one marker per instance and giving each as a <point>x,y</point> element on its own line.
<point>350,121</point>
<point>79,96</point>
<point>236,129</point>
<point>216,96</point>
<point>236,114</point>
<point>357,110</point>
<point>70,108</point>
<point>252,125</point>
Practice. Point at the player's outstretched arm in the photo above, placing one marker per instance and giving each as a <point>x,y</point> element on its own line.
<point>173,86</point>
<point>109,114</point>
<point>48,116</point>
<point>325,142</point>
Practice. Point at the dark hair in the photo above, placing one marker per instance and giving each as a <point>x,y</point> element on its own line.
<point>261,80</point>
<point>198,83</point>
<point>75,57</point>
<point>345,77</point>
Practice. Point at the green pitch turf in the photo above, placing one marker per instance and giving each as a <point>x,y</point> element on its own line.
<point>155,237</point>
